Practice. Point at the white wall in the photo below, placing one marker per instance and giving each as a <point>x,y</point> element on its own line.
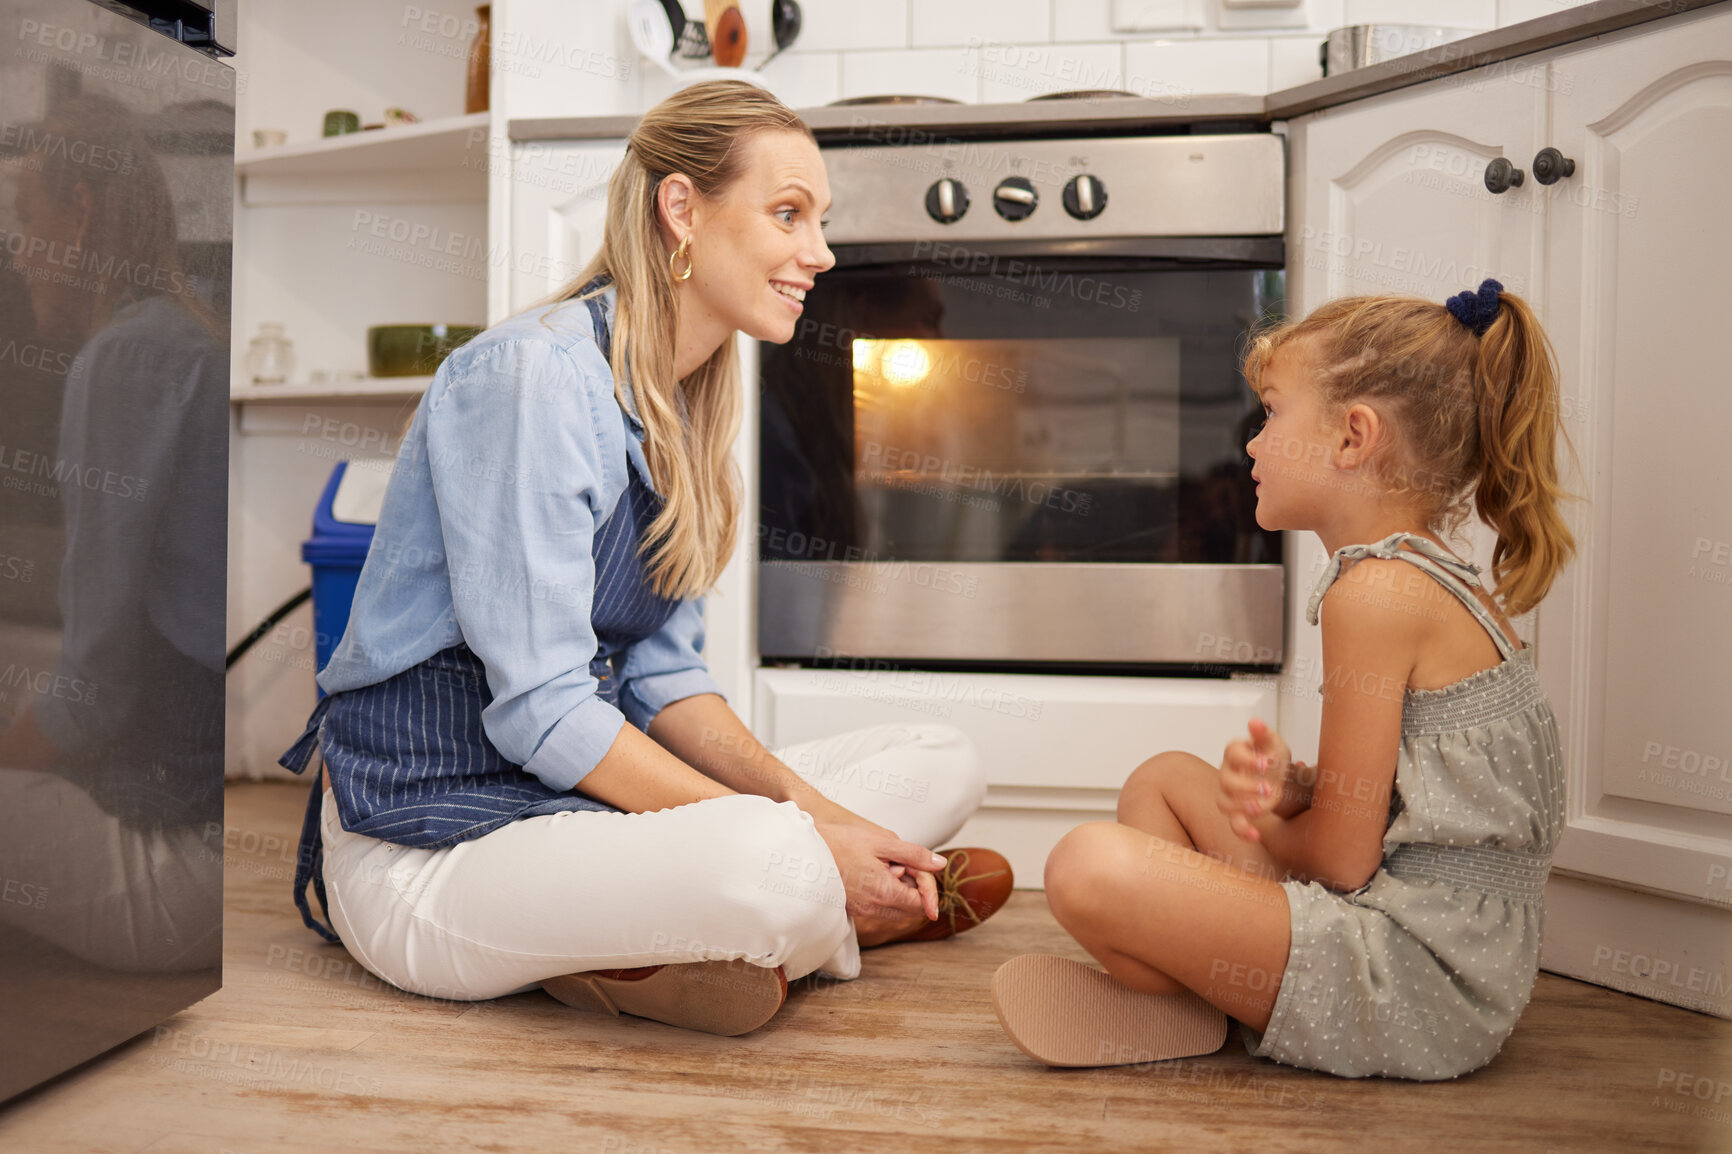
<point>569,59</point>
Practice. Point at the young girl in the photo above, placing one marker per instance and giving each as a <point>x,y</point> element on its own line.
<point>1380,913</point>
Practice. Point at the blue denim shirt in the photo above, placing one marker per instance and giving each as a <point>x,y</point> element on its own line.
<point>518,450</point>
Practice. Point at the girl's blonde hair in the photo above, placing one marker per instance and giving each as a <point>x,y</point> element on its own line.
<point>1475,418</point>
<point>689,425</point>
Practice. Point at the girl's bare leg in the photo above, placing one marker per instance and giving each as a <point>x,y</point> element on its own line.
<point>1161,916</point>
<point>1172,795</point>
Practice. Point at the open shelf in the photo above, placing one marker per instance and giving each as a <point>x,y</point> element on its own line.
<point>369,389</point>
<point>434,144</point>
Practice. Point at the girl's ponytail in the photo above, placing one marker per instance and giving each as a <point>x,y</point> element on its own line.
<point>1516,387</point>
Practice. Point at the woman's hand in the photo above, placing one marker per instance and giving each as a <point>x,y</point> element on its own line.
<point>883,876</point>
<point>1253,779</point>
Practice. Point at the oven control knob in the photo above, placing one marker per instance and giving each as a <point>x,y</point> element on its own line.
<point>1085,196</point>
<point>1015,198</point>
<point>946,201</point>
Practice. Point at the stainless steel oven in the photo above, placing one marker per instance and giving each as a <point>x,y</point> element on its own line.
<point>1010,430</point>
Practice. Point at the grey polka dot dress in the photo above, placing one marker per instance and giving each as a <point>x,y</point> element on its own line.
<point>1423,972</point>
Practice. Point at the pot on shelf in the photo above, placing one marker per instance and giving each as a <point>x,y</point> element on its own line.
<point>1360,44</point>
<point>413,350</point>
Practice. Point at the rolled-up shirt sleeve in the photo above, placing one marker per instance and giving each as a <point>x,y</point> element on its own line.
<point>515,450</point>
<point>666,666</point>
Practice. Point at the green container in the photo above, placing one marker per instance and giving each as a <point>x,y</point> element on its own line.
<point>413,350</point>
<point>341,122</point>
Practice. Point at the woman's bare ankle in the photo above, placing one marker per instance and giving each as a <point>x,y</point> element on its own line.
<point>876,930</point>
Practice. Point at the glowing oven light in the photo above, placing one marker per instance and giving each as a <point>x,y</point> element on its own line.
<point>864,357</point>
<point>905,363</point>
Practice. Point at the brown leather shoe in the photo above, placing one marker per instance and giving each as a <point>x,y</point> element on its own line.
<point>972,886</point>
<point>726,998</point>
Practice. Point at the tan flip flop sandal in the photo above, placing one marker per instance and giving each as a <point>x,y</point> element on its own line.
<point>726,998</point>
<point>1064,1013</point>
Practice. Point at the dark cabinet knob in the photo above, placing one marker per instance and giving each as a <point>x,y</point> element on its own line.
<point>1501,176</point>
<point>946,201</point>
<point>1551,166</point>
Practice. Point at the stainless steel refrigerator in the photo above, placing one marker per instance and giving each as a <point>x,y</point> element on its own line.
<point>116,206</point>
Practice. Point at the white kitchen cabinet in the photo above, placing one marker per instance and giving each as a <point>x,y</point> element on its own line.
<point>1638,635</point>
<point>558,206</point>
<point>1623,261</point>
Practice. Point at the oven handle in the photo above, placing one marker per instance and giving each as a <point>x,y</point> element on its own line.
<point>1266,251</point>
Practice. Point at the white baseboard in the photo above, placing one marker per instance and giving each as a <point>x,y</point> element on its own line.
<point>1640,943</point>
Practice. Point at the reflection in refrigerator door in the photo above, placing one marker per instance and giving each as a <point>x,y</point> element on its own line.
<point>116,186</point>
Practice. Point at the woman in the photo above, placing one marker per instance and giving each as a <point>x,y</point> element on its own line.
<point>531,777</point>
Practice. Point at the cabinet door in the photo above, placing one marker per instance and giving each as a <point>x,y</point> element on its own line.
<point>558,196</point>
<point>1638,635</point>
<point>1389,196</point>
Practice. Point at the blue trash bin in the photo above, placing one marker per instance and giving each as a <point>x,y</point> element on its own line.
<point>336,551</point>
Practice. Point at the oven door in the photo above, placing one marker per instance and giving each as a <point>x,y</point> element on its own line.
<point>991,460</point>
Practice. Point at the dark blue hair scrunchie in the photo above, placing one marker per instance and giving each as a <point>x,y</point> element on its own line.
<point>1478,309</point>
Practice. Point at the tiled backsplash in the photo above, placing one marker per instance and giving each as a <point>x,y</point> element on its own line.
<point>1010,50</point>
<point>971,50</point>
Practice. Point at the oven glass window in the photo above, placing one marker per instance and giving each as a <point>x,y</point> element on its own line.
<point>1081,414</point>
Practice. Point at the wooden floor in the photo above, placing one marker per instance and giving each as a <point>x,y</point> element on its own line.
<point>304,1051</point>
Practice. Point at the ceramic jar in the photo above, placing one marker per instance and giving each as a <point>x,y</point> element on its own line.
<point>480,61</point>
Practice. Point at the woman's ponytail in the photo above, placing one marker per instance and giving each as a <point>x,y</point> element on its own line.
<point>1518,492</point>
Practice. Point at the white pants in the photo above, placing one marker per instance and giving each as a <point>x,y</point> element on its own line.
<point>732,878</point>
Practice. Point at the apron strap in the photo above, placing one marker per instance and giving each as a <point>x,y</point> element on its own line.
<point>310,866</point>
<point>310,857</point>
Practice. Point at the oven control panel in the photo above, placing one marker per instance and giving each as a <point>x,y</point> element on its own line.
<point>947,200</point>
<point>1228,185</point>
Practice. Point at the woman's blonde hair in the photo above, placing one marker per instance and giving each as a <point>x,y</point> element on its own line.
<point>1475,418</point>
<point>689,425</point>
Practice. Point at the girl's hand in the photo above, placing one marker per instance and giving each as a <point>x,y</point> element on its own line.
<point>1253,778</point>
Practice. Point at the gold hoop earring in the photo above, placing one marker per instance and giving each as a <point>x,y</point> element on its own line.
<point>677,254</point>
